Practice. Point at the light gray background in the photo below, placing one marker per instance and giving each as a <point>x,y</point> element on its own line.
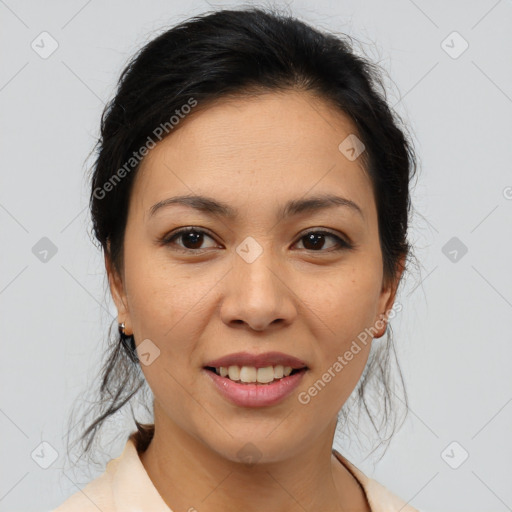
<point>454,333</point>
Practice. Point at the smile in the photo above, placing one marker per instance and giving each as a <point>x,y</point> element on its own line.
<point>250,374</point>
<point>248,386</point>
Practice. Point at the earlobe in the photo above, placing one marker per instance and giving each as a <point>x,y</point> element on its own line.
<point>118,294</point>
<point>381,325</point>
<point>389,290</point>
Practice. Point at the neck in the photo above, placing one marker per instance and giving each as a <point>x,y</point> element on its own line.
<point>191,476</point>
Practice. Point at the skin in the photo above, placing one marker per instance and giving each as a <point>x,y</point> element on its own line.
<point>254,153</point>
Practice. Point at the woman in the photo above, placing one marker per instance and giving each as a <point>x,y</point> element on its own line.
<point>251,196</point>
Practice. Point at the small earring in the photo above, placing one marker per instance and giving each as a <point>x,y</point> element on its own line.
<point>128,342</point>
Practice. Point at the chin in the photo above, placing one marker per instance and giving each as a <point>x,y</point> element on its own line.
<point>255,448</point>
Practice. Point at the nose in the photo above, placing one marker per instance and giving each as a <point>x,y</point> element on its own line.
<point>257,295</point>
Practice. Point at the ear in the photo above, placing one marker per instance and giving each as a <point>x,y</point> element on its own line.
<point>118,293</point>
<point>387,298</point>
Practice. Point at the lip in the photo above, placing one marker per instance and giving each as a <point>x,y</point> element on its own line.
<point>256,395</point>
<point>257,360</point>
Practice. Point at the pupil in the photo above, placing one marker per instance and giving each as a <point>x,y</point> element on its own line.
<point>311,237</point>
<point>192,237</point>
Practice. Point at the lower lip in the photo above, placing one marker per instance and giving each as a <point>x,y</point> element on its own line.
<point>256,395</point>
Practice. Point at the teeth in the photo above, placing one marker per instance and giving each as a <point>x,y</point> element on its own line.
<point>251,374</point>
<point>248,374</point>
<point>234,372</point>
<point>265,375</point>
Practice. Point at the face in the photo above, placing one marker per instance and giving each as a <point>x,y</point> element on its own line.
<point>304,284</point>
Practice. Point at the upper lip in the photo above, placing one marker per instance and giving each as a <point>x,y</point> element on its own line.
<point>257,360</point>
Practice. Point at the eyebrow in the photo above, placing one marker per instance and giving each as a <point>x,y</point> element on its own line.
<point>293,207</point>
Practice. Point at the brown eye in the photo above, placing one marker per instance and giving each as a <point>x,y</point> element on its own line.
<point>316,241</point>
<point>191,238</point>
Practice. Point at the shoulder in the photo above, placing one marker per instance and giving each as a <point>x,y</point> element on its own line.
<point>125,485</point>
<point>96,495</point>
<point>379,497</point>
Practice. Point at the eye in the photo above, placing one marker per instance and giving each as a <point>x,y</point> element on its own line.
<point>191,237</point>
<point>315,240</point>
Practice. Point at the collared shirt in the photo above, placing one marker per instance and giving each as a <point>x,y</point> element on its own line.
<point>125,486</point>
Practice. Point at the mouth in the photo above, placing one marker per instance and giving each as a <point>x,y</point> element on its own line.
<point>252,375</point>
<point>255,380</point>
<point>255,387</point>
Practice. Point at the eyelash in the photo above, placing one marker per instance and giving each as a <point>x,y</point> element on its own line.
<point>168,239</point>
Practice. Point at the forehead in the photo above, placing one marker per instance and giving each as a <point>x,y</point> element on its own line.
<point>255,150</point>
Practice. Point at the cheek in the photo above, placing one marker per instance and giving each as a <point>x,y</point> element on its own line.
<point>346,306</point>
<point>345,300</point>
<point>165,299</point>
